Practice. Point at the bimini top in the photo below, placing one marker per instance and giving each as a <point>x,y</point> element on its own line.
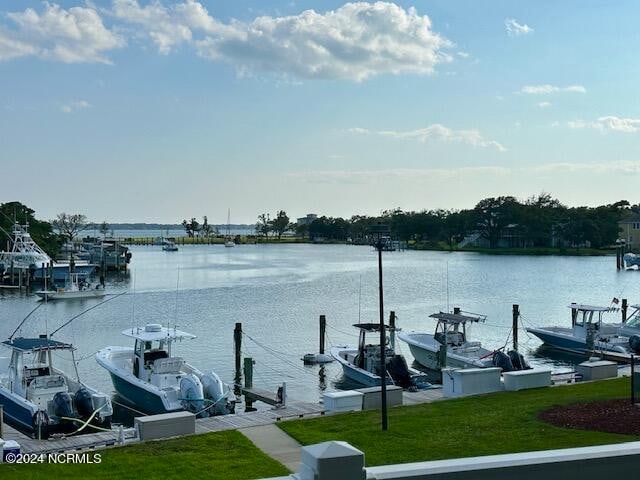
<point>370,327</point>
<point>590,308</point>
<point>36,344</point>
<point>457,317</point>
<point>155,331</point>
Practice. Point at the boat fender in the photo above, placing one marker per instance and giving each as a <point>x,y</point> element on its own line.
<point>502,360</point>
<point>191,393</point>
<point>83,402</point>
<point>62,406</point>
<point>634,343</point>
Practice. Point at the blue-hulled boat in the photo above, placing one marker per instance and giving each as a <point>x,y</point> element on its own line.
<point>148,377</point>
<point>362,363</point>
<point>39,399</point>
<point>588,332</point>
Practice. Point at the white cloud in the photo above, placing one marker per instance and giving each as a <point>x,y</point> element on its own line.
<point>76,35</point>
<point>463,54</point>
<point>167,26</point>
<point>609,123</point>
<point>438,132</point>
<point>441,174</point>
<point>515,29</point>
<point>544,104</point>
<point>75,106</point>
<point>355,41</point>
<point>547,89</point>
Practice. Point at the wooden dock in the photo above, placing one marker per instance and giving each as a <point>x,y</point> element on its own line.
<point>87,441</point>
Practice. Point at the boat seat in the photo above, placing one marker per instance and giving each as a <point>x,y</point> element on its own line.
<point>168,365</point>
<point>151,356</point>
<point>42,389</point>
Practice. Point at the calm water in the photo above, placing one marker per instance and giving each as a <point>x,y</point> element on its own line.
<point>278,292</point>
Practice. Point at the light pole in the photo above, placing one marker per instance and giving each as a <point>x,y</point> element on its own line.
<point>379,238</point>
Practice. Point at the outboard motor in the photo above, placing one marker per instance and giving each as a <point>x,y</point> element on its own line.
<point>502,360</point>
<point>62,406</point>
<point>634,343</point>
<point>83,401</point>
<point>191,393</point>
<point>214,390</point>
<point>399,371</point>
<point>518,361</point>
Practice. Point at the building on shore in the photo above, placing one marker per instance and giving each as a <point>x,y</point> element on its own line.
<point>629,228</point>
<point>307,220</point>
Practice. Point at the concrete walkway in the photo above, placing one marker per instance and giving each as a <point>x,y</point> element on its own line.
<point>275,443</point>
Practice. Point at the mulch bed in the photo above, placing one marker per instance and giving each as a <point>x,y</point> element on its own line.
<point>612,416</point>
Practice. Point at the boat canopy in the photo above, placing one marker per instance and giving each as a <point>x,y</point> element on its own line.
<point>454,318</point>
<point>370,327</point>
<point>36,344</point>
<point>154,331</point>
<point>590,308</point>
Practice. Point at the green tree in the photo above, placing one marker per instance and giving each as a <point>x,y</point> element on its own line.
<point>104,228</point>
<point>191,227</point>
<point>263,227</point>
<point>280,224</point>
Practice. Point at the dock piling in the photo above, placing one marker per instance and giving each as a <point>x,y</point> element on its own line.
<point>514,327</point>
<point>392,329</point>
<point>625,306</point>
<point>237,342</point>
<point>248,383</point>
<point>323,329</point>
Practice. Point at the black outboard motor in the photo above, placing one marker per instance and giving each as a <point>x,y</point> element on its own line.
<point>62,405</point>
<point>502,360</point>
<point>83,401</point>
<point>634,343</point>
<point>518,361</point>
<point>399,371</point>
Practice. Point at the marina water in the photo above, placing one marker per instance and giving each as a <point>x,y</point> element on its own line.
<point>278,292</point>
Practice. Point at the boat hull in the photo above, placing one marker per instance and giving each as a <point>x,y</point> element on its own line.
<point>356,374</point>
<point>73,295</point>
<point>569,343</point>
<point>428,355</point>
<point>142,399</point>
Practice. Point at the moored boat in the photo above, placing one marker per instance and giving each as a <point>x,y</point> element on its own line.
<point>77,287</point>
<point>361,364</point>
<point>151,379</point>
<point>40,399</point>
<point>588,332</point>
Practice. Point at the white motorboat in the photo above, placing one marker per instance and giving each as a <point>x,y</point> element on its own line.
<point>449,345</point>
<point>588,332</point>
<point>77,287</point>
<point>154,381</point>
<point>169,246</point>
<point>362,363</point>
<point>41,399</point>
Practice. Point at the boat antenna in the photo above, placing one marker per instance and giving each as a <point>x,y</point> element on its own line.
<point>24,320</point>
<point>175,319</point>
<point>447,285</point>
<point>359,298</point>
<point>133,302</point>
<point>83,312</point>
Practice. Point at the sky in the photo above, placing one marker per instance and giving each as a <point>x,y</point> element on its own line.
<point>155,111</point>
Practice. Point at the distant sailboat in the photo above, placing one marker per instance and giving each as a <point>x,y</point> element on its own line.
<point>227,239</point>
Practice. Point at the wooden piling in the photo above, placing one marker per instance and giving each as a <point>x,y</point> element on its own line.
<point>617,257</point>
<point>514,326</point>
<point>392,329</point>
<point>624,308</point>
<point>237,342</point>
<point>248,382</point>
<point>323,329</point>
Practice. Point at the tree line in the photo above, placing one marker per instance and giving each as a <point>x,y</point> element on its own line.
<point>538,221</point>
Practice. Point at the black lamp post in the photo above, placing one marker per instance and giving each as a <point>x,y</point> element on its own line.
<point>379,238</point>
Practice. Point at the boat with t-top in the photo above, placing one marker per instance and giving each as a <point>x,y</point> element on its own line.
<point>588,332</point>
<point>362,364</point>
<point>41,399</point>
<point>150,378</point>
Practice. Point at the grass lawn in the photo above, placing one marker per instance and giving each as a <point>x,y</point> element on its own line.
<point>222,455</point>
<point>502,422</point>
